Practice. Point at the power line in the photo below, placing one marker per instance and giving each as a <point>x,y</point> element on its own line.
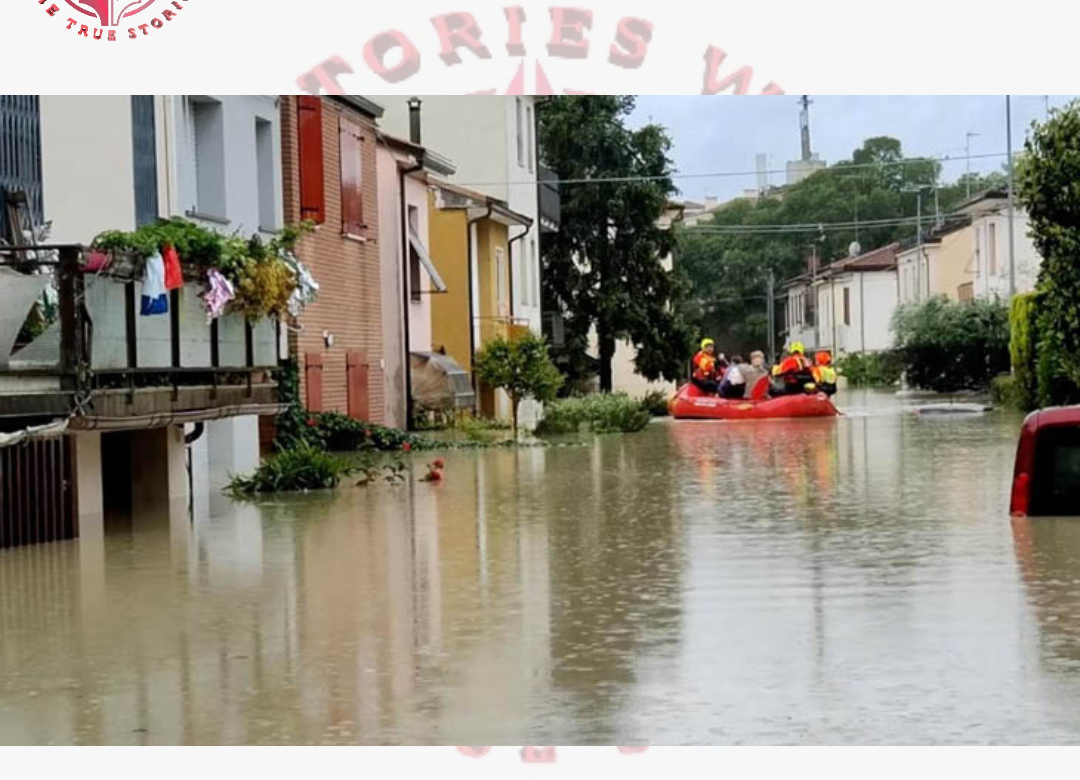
<point>812,227</point>
<point>725,174</point>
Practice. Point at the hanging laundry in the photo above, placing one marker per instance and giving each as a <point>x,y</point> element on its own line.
<point>219,291</point>
<point>154,297</point>
<point>307,289</point>
<point>174,277</point>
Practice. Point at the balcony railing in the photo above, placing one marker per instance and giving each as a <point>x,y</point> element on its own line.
<point>97,359</point>
<point>508,328</point>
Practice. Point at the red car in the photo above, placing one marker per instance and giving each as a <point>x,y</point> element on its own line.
<point>1046,481</point>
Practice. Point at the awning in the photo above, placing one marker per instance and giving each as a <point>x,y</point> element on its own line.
<point>425,260</point>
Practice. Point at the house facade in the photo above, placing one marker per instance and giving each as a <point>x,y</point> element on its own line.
<point>473,234</point>
<point>495,154</point>
<point>139,398</point>
<point>330,171</point>
<point>855,300</point>
<point>410,268</point>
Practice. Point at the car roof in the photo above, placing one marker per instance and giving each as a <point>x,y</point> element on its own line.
<point>1059,416</point>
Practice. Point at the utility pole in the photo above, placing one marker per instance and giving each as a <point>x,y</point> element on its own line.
<point>967,146</point>
<point>1012,243</point>
<point>772,316</point>
<point>918,250</point>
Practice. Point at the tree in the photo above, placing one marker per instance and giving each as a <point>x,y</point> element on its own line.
<point>603,268</point>
<point>1047,176</point>
<point>521,367</point>
<point>726,262</point>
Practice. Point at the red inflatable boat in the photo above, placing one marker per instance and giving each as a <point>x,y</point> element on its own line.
<point>692,404</point>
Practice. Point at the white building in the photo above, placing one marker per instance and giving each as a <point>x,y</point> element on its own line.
<point>845,307</point>
<point>118,162</point>
<point>992,254</point>
<point>856,299</point>
<point>492,141</point>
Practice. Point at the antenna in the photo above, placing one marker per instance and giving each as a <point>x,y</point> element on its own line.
<point>804,125</point>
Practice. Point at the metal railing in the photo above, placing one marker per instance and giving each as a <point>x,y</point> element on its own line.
<point>75,366</point>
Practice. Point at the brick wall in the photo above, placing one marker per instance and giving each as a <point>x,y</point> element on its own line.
<point>347,270</point>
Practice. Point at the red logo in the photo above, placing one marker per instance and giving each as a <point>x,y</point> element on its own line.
<point>110,12</point>
<point>98,19</point>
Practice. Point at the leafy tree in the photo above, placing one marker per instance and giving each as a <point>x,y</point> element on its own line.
<point>947,346</point>
<point>603,268</point>
<point>521,367</point>
<point>1047,177</point>
<point>726,263</point>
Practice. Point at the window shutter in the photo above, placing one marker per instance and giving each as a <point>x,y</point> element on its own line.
<point>352,195</point>
<point>312,198</point>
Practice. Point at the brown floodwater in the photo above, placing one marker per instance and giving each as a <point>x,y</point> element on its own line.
<point>850,581</point>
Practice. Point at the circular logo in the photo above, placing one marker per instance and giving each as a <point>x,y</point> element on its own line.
<point>110,12</point>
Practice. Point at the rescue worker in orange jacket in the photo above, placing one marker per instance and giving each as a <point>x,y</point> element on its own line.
<point>795,374</point>
<point>705,376</point>
<point>824,373</point>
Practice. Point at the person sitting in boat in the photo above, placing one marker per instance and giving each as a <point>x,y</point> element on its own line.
<point>756,375</point>
<point>733,385</point>
<point>795,373</point>
<point>705,368</point>
<point>824,373</point>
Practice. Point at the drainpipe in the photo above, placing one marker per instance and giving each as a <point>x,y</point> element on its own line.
<point>472,315</point>
<point>406,298</point>
<point>511,268</point>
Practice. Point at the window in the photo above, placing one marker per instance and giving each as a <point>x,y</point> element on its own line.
<point>1056,488</point>
<point>529,146</point>
<point>206,137</point>
<point>991,248</point>
<point>414,257</point>
<point>264,161</point>
<point>502,281</point>
<point>144,146</point>
<point>847,305</point>
<point>310,149</point>
<point>534,268</point>
<point>352,195</point>
<point>520,137</point>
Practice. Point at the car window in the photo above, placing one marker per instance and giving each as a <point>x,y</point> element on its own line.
<point>1057,472</point>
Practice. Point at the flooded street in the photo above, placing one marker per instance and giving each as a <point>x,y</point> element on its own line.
<point>851,581</point>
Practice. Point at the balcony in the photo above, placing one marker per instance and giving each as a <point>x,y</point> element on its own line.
<point>550,200</point>
<point>508,328</point>
<point>92,357</point>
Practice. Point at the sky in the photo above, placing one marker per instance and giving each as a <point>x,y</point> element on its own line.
<point>726,133</point>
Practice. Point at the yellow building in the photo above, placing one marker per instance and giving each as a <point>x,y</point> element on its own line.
<point>471,234</point>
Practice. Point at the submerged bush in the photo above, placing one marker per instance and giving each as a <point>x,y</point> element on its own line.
<point>948,346</point>
<point>871,369</point>
<point>303,468</point>
<point>601,413</point>
<point>656,403</point>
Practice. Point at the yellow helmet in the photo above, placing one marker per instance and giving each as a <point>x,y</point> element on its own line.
<point>707,343</point>
<point>798,349</point>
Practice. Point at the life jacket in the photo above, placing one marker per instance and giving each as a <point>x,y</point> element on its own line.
<point>795,367</point>
<point>826,375</point>
<point>704,366</point>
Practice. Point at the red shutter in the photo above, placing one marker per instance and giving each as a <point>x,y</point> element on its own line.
<point>312,198</point>
<point>313,380</point>
<point>356,373</point>
<point>352,196</point>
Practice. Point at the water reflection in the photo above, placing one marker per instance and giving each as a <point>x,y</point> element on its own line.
<point>837,581</point>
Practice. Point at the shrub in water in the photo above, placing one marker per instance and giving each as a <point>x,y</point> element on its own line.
<point>871,369</point>
<point>614,413</point>
<point>303,468</point>
<point>656,403</point>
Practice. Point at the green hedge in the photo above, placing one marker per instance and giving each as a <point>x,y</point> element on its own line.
<point>1023,350</point>
<point>947,346</point>
<point>600,413</point>
<point>871,369</point>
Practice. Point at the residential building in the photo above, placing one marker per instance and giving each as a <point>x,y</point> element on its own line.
<point>472,235</point>
<point>948,267</point>
<point>137,399</point>
<point>495,153</point>
<point>410,275</point>
<point>330,171</point>
<point>991,240</point>
<point>800,301</point>
<point>855,301</point>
